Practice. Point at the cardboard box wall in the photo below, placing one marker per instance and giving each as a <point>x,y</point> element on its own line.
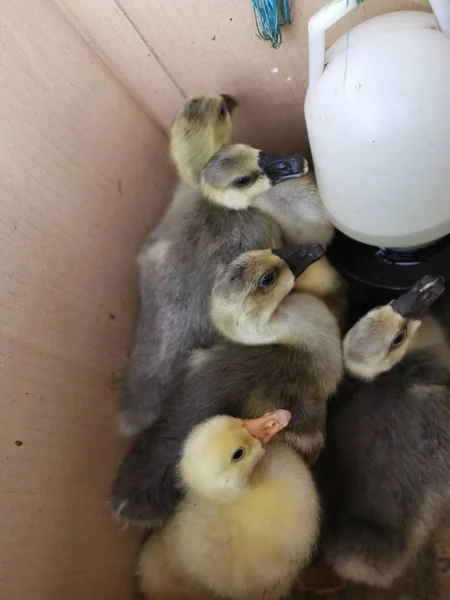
<point>88,90</point>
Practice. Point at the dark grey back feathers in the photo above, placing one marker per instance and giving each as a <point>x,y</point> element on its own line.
<point>385,472</point>
<point>241,381</point>
<point>418,583</point>
<point>174,317</point>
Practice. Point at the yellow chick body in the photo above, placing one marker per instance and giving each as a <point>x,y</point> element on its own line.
<point>244,539</point>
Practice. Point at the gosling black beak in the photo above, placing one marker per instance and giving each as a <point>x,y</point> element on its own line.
<point>281,168</point>
<point>299,258</point>
<point>230,102</point>
<point>415,302</point>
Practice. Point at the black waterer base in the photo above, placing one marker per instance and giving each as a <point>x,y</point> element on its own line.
<point>377,275</point>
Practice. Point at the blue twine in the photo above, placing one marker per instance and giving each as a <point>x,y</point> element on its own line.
<point>270,16</point>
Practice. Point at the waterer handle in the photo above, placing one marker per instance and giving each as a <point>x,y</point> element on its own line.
<point>441,10</point>
<point>330,14</point>
<point>333,11</point>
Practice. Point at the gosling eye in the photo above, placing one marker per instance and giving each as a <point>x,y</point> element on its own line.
<point>222,110</point>
<point>398,339</point>
<point>242,182</point>
<point>238,455</point>
<point>267,280</point>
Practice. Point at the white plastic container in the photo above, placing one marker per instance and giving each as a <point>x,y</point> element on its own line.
<point>378,119</point>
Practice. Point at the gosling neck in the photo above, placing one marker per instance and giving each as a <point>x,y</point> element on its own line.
<point>300,320</point>
<point>232,200</point>
<point>431,336</point>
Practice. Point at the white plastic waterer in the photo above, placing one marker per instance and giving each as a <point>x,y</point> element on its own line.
<point>378,118</point>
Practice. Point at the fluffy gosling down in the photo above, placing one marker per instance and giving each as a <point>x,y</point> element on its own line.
<point>385,472</point>
<point>248,522</point>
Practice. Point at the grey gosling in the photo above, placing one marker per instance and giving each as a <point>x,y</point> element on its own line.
<point>385,472</point>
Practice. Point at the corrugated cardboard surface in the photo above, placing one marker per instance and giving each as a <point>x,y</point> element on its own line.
<point>212,45</point>
<point>82,174</point>
<point>129,55</point>
<point>85,90</point>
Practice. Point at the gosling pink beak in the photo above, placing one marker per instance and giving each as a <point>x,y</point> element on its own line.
<point>264,428</point>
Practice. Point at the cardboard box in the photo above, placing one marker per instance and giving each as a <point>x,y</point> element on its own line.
<point>88,89</point>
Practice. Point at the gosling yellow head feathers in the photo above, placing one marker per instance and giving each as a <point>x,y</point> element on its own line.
<point>247,298</point>
<point>232,176</point>
<point>236,175</point>
<point>221,453</point>
<point>199,131</point>
<point>381,338</point>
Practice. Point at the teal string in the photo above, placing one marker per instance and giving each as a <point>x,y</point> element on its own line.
<point>270,16</point>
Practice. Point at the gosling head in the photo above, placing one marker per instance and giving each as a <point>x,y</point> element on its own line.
<point>199,131</point>
<point>236,175</point>
<point>247,298</point>
<point>221,453</point>
<point>381,338</point>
